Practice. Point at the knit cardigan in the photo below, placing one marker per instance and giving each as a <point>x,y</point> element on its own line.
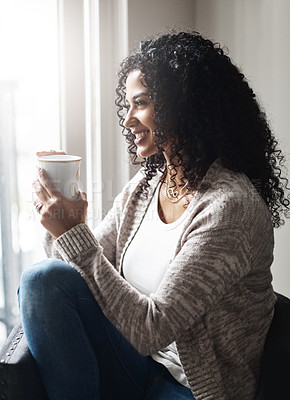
<point>215,300</point>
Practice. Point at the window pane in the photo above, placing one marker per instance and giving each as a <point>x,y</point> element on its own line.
<point>2,302</point>
<point>29,111</point>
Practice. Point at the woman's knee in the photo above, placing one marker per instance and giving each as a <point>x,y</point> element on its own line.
<point>38,283</point>
<point>43,275</point>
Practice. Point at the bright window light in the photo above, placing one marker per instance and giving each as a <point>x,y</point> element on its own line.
<point>30,119</point>
<point>29,68</point>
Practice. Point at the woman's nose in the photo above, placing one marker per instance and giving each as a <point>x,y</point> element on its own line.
<point>130,120</point>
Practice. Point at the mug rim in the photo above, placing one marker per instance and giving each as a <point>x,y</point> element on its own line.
<point>59,158</point>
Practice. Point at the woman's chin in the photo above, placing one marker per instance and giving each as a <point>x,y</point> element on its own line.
<point>146,152</point>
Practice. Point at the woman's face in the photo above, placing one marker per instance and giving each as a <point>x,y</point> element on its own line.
<point>139,118</point>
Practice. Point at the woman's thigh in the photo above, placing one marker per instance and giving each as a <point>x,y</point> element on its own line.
<point>61,303</point>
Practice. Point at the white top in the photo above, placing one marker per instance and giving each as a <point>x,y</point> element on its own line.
<point>153,246</point>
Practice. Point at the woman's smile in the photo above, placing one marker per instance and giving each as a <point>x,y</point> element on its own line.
<point>140,135</point>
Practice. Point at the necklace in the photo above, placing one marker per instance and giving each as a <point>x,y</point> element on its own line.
<point>173,195</point>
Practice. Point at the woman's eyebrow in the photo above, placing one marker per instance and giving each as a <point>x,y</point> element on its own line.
<point>139,95</point>
<point>134,98</point>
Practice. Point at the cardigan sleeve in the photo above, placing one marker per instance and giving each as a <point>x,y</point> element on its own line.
<point>50,250</point>
<point>215,255</point>
<point>105,233</point>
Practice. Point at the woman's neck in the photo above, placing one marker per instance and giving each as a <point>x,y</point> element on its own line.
<point>174,175</point>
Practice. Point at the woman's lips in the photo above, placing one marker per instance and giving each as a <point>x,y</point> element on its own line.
<point>140,135</point>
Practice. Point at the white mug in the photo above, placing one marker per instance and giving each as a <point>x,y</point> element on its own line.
<point>63,171</point>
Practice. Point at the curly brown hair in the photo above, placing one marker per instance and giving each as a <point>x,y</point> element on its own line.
<point>204,103</point>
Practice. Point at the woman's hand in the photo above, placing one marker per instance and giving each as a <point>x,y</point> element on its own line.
<point>50,153</point>
<point>58,213</point>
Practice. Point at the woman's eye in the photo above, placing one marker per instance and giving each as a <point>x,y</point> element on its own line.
<point>137,103</point>
<point>140,103</point>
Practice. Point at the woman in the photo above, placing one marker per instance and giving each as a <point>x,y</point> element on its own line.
<point>170,297</point>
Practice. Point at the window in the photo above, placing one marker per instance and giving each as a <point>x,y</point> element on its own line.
<point>59,60</point>
<point>30,120</point>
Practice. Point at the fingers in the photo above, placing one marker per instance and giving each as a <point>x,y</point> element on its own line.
<point>50,153</point>
<point>38,207</point>
<point>60,215</point>
<point>40,194</point>
<point>48,185</point>
<point>83,195</point>
<point>44,189</point>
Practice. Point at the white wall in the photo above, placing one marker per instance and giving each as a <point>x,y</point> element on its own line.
<point>257,35</point>
<point>147,18</point>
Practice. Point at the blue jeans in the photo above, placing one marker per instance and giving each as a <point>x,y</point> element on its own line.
<point>79,353</point>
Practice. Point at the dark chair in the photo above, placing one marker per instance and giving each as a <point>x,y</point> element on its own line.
<point>19,377</point>
<point>275,372</point>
